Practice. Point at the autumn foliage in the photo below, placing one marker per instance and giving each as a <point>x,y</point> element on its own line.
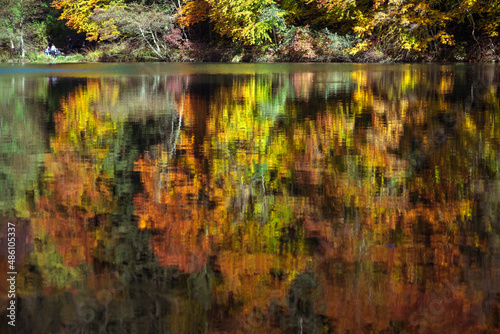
<point>395,30</point>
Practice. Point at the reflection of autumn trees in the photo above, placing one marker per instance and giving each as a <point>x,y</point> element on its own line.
<point>322,201</point>
<point>372,190</point>
<point>219,203</point>
<point>80,191</point>
<point>77,201</point>
<point>22,142</point>
<point>87,252</point>
<point>404,211</point>
<point>182,238</point>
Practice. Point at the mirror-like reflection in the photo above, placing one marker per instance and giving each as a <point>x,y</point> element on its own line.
<point>254,198</point>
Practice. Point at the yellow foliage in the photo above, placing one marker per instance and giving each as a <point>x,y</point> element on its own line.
<point>360,47</point>
<point>78,13</point>
<point>447,39</point>
<point>242,19</point>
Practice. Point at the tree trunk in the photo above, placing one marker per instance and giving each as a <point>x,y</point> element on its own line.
<point>21,32</point>
<point>22,45</point>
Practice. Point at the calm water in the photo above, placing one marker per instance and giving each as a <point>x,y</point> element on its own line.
<point>272,198</point>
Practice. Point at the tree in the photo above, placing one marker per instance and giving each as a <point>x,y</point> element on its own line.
<point>78,12</point>
<point>403,28</point>
<point>141,25</point>
<point>247,21</point>
<point>487,14</point>
<point>16,22</point>
<point>192,12</point>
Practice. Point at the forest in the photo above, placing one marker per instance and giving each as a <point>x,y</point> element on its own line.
<point>252,30</point>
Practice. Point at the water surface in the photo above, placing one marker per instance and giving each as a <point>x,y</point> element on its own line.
<point>271,198</point>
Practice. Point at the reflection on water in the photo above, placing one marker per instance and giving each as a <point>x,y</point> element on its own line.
<point>255,198</point>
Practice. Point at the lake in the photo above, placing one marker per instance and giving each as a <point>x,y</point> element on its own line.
<point>250,198</point>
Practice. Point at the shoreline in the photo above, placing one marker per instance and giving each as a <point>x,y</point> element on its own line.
<point>83,61</point>
<point>203,52</point>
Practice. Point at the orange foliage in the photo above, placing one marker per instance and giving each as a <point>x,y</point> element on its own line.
<point>78,202</point>
<point>193,12</point>
<point>164,207</point>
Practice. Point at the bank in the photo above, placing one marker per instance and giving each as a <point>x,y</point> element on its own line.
<point>332,48</point>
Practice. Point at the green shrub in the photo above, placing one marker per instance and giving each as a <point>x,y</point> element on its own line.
<point>297,44</point>
<point>333,47</point>
<point>93,54</point>
<point>459,52</point>
<point>304,44</point>
<point>38,56</point>
<point>39,35</point>
<point>74,58</point>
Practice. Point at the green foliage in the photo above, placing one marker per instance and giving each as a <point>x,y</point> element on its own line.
<point>21,143</point>
<point>20,24</point>
<point>333,47</point>
<point>40,36</point>
<point>93,54</point>
<point>38,57</point>
<point>305,44</point>
<point>459,52</point>
<point>249,21</point>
